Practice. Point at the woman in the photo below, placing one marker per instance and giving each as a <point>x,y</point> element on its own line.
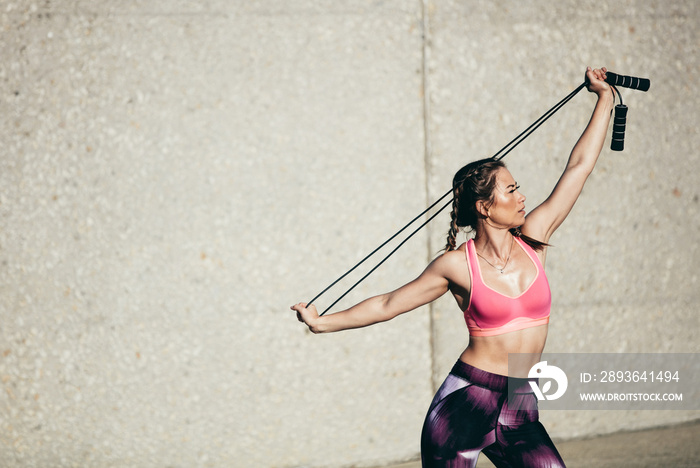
<point>497,279</point>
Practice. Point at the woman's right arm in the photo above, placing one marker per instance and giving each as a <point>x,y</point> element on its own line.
<point>430,285</point>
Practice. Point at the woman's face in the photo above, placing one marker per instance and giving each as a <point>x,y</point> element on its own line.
<point>508,207</point>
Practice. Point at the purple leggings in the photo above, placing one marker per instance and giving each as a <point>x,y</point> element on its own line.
<point>471,413</point>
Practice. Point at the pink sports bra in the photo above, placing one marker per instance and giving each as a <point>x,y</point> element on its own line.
<point>492,313</point>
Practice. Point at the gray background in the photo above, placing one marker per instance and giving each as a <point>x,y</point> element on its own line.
<point>174,174</point>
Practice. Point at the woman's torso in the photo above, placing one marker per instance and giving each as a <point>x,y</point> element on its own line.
<point>490,353</point>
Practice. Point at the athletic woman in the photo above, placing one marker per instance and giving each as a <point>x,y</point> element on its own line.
<point>498,281</point>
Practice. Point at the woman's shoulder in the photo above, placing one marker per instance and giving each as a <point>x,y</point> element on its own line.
<point>453,266</point>
<point>458,252</point>
<point>452,261</point>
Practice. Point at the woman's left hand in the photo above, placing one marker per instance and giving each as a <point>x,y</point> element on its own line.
<point>596,81</point>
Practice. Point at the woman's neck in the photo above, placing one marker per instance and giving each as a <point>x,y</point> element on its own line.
<point>493,242</point>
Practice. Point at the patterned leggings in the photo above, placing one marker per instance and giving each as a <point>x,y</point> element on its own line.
<point>471,413</point>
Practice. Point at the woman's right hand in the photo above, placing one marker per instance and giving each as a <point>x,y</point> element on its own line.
<point>308,316</point>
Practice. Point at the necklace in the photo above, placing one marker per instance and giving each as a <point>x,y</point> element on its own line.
<point>507,259</point>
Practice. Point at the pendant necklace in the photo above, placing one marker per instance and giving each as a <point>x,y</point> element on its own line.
<point>507,259</point>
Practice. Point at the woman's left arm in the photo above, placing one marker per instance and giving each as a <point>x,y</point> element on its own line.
<point>431,284</point>
<point>546,218</point>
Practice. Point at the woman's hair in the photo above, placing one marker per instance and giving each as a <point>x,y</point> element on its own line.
<point>473,183</point>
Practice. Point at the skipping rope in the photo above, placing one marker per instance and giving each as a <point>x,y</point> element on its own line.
<point>617,144</point>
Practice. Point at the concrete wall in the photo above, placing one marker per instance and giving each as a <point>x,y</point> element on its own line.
<point>173,175</point>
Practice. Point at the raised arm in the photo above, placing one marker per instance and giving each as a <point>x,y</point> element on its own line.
<point>430,285</point>
<point>546,218</point>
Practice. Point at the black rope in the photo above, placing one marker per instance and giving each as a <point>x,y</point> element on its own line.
<point>537,123</point>
<point>514,142</point>
<point>389,255</point>
<point>618,94</point>
<point>375,250</point>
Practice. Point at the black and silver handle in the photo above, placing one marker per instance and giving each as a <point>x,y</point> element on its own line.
<point>620,119</point>
<point>641,84</point>
<point>618,130</point>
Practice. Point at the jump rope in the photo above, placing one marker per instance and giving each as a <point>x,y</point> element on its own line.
<point>617,144</point>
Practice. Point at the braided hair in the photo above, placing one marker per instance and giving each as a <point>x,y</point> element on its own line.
<point>473,183</point>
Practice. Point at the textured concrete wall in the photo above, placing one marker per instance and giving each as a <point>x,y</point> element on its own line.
<point>174,174</point>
